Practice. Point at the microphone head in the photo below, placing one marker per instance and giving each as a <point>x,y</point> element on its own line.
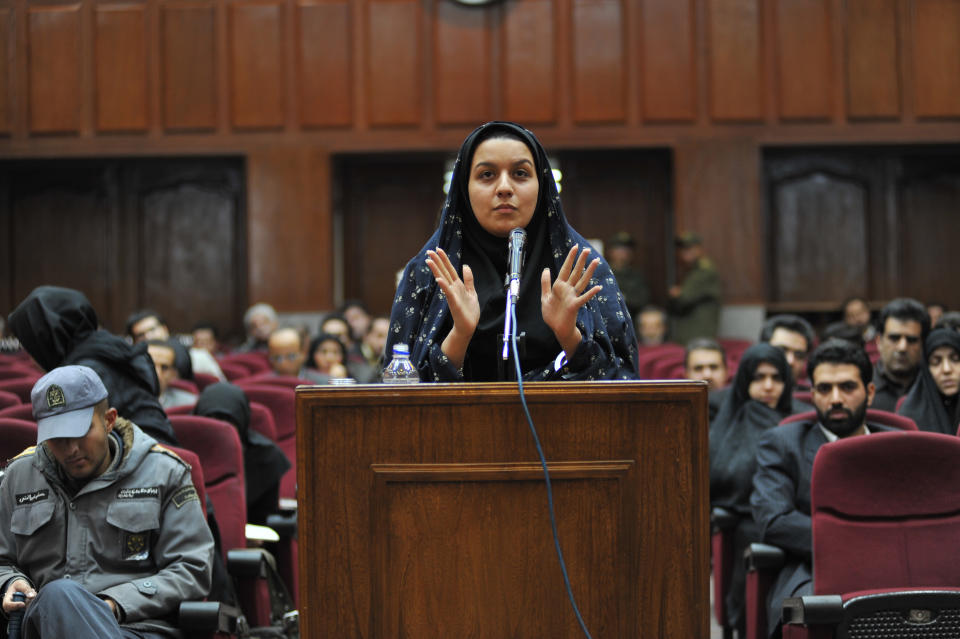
<point>517,237</point>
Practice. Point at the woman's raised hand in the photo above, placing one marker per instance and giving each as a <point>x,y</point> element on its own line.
<point>462,300</point>
<point>560,301</point>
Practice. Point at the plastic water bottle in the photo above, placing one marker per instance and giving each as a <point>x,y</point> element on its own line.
<point>400,370</point>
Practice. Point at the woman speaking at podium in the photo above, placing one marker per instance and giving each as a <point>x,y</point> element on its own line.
<point>450,304</point>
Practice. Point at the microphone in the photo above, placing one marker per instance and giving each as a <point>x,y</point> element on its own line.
<point>518,238</point>
<point>515,252</point>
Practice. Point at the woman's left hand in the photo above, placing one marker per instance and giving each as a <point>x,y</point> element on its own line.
<point>560,301</point>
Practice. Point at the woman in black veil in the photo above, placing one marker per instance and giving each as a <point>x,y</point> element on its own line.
<point>933,400</point>
<point>450,303</point>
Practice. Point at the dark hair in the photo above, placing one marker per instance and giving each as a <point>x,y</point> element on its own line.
<point>905,309</point>
<point>320,339</point>
<point>352,303</point>
<point>205,325</point>
<point>334,316</point>
<point>853,298</point>
<point>793,323</point>
<point>138,316</point>
<point>703,344</point>
<point>842,330</point>
<point>840,351</point>
<point>653,308</point>
<point>950,319</point>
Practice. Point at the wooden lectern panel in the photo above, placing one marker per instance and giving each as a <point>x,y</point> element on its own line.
<point>423,511</point>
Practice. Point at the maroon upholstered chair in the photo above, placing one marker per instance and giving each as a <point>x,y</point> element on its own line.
<point>886,520</point>
<point>16,372</point>
<point>202,380</point>
<point>9,399</point>
<point>648,356</point>
<point>873,415</point>
<point>20,386</point>
<point>19,411</point>
<point>261,420</point>
<point>270,379</point>
<point>233,372</point>
<point>281,401</point>
<point>16,435</point>
<point>253,362</point>
<point>185,384</point>
<point>217,444</point>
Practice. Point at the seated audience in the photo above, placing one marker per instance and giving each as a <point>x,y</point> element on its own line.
<point>932,401</point>
<point>840,372</point>
<point>758,399</point>
<point>263,461</point>
<point>904,325</point>
<point>935,310</point>
<point>706,360</point>
<point>259,322</point>
<point>326,359</point>
<point>285,352</point>
<point>163,355</point>
<point>374,342</point>
<point>110,537</point>
<point>842,330</point>
<point>58,326</point>
<point>357,366</point>
<point>652,326</point>
<point>795,337</point>
<point>357,317</point>
<point>951,320</point>
<point>856,313</point>
<point>207,338</point>
<point>147,324</point>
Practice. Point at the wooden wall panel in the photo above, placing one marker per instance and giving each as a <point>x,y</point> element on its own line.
<point>6,95</point>
<point>393,62</point>
<point>121,67</point>
<point>324,63</point>
<point>257,65</point>
<point>872,60</point>
<point>936,58</point>
<point>462,64</point>
<point>54,68</point>
<point>722,175</point>
<point>734,33</point>
<point>668,61</point>
<point>805,75</point>
<point>188,51</point>
<point>529,62</point>
<point>599,79</point>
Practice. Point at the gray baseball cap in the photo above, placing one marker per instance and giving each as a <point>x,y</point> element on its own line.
<point>63,401</point>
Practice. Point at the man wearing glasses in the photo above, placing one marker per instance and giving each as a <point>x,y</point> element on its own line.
<point>794,336</point>
<point>286,352</point>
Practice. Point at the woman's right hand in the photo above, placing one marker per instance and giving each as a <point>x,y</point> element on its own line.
<point>462,300</point>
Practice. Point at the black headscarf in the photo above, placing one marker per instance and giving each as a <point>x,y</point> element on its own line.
<point>738,425</point>
<point>58,326</point>
<point>421,317</point>
<point>263,461</point>
<point>924,404</point>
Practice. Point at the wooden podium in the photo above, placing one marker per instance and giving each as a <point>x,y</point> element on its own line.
<point>423,511</point>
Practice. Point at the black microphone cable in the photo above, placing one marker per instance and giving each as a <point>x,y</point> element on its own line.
<point>546,472</point>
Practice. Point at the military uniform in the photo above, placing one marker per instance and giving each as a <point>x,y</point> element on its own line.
<point>696,311</point>
<point>135,534</point>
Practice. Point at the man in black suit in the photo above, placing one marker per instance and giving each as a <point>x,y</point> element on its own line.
<point>842,391</point>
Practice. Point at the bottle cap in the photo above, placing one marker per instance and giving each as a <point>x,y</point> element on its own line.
<point>401,349</point>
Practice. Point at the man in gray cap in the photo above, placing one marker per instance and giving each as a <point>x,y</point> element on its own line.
<point>100,526</point>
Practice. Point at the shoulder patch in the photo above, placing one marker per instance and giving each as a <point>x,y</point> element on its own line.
<point>184,495</point>
<point>157,448</point>
<point>30,450</point>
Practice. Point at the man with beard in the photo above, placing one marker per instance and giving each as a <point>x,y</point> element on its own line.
<point>840,373</point>
<point>904,325</point>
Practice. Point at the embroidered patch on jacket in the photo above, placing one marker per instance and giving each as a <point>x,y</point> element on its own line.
<point>32,498</point>
<point>143,492</point>
<point>135,546</point>
<point>185,495</point>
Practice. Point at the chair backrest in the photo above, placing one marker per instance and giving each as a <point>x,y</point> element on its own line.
<point>873,416</point>
<point>203,380</point>
<point>21,386</point>
<point>667,366</point>
<point>217,444</point>
<point>184,384</point>
<point>9,399</point>
<point>270,379</point>
<point>281,402</point>
<point>196,473</point>
<point>183,409</point>
<point>886,512</point>
<point>253,362</point>
<point>18,411</point>
<point>261,420</point>
<point>233,372</point>
<point>16,435</point>
<point>648,356</point>
<point>16,372</point>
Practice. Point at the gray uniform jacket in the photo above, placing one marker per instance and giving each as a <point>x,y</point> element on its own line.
<point>136,534</point>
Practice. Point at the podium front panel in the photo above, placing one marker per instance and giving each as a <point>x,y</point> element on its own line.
<point>423,510</point>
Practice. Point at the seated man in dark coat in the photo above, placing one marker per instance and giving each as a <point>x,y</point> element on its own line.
<point>904,325</point>
<point>842,391</point>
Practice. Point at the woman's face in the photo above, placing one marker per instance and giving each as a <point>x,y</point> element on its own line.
<point>503,185</point>
<point>944,363</point>
<point>766,385</point>
<point>326,355</point>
